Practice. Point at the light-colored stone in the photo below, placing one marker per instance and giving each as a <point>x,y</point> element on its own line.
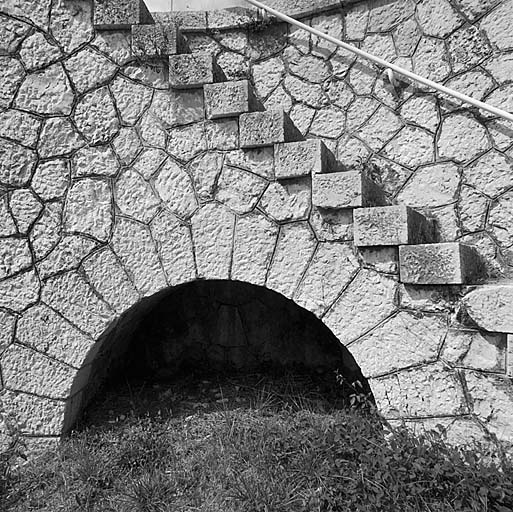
<point>468,47</point>
<point>385,14</point>
<point>384,259</point>
<point>267,75</point>
<point>46,92</point>
<point>403,341</point>
<point>239,190</point>
<point>302,116</point>
<point>443,263</point>
<point>288,200</point>
<point>330,271</point>
<point>134,196</point>
<point>185,143</point>
<point>66,255</point>
<point>302,91</point>
<point>12,32</point>
<point>500,67</point>
<point>94,161</point>
<point>127,145</point>
<point>36,52</point>
<point>7,325</point>
<point>474,349</point>
<point>438,18</point>
<point>174,186</point>
<point>222,134</point>
<point>422,111</point>
<point>71,296</point>
<point>391,225</point>
<point>212,231</point>
<point>148,162</point>
<point>332,225</point>
<point>497,26</point>
<point>47,332</point>
<point>433,185</point>
<point>25,209</point>
<point>108,277</point>
<point>133,244</point>
<point>191,70</point>
<point>499,219</point>
<point>406,37</point>
<point>7,225</point>
<point>254,242</point>
<point>491,174</point>
<point>96,117</point>
<point>411,147</point>
<point>380,45</point>
<point>308,67</point>
<point>174,246</point>
<point>46,232</point>
<point>51,179</point>
<point>58,138</point>
<point>380,128</point>
<point>491,307</point>
<point>328,122</point>
<point>472,209</point>
<point>229,99</point>
<point>15,256</point>
<point>420,392</point>
<point>19,126</point>
<point>12,74</point>
<point>89,208</point>
<point>16,164</point>
<point>259,161</point>
<point>173,108</point>
<point>131,99</point>
<point>431,60</point>
<point>356,20</point>
<point>296,159</point>
<point>19,292</point>
<point>294,250</point>
<point>205,171</point>
<point>368,300</point>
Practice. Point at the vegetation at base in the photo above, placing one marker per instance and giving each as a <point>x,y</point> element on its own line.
<point>275,455</point>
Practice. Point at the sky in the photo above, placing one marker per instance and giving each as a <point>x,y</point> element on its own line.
<point>191,5</point>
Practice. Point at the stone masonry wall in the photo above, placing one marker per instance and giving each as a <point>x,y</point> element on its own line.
<point>114,186</point>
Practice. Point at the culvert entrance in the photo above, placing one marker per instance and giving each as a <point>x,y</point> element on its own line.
<point>209,344</point>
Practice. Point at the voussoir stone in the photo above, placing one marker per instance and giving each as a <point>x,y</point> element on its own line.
<point>491,307</point>
<point>391,225</point>
<point>444,263</point>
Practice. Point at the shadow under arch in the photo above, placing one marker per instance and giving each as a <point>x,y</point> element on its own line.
<point>210,326</point>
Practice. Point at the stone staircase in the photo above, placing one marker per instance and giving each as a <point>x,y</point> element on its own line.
<point>377,223</point>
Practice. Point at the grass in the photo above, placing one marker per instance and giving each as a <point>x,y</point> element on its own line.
<point>281,452</point>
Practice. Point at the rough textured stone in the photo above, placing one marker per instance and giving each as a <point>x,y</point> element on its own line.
<point>89,208</point>
<point>131,99</point>
<point>491,307</point>
<point>294,249</point>
<point>462,138</point>
<point>332,225</point>
<point>288,200</point>
<point>36,52</point>
<point>296,159</point>
<point>239,190</point>
<point>467,48</point>
<point>127,145</point>
<point>185,143</point>
<point>472,349</point>
<point>96,116</point>
<point>380,128</point>
<point>12,74</point>
<point>46,92</point>
<point>191,70</point>
<point>445,263</point>
<point>157,40</point>
<point>94,161</point>
<point>403,341</point>
<point>51,179</point>
<point>328,122</point>
<point>7,323</point>
<point>254,242</point>
<point>499,219</point>
<point>112,14</point>
<point>46,232</point>
<point>58,138</point>
<point>25,209</point>
<point>73,298</point>
<point>391,225</point>
<point>229,99</point>
<point>16,164</point>
<point>205,171</point>
<point>267,75</point>
<point>222,134</point>
<point>134,196</point>
<point>406,37</point>
<point>501,67</point>
<point>259,161</point>
<point>431,60</point>
<point>20,291</point>
<point>14,256</point>
<point>497,26</point>
<point>212,231</point>
<point>174,246</point>
<point>472,209</point>
<point>267,128</point>
<point>307,67</point>
<point>12,32</point>
<point>385,14</point>
<point>149,161</point>
<point>345,190</point>
<point>411,147</point>
<point>302,91</point>
<point>491,174</point>
<point>133,244</point>
<point>404,394</point>
<point>433,185</point>
<point>331,269</point>
<point>19,126</point>
<point>47,332</point>
<point>421,110</point>
<point>174,108</point>
<point>7,225</point>
<point>368,300</point>
<point>174,187</point>
<point>438,18</point>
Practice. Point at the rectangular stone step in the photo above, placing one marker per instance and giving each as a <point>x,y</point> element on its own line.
<point>193,70</point>
<point>296,159</point>
<point>443,263</point>
<point>259,129</point>
<point>157,40</point>
<point>120,14</point>
<point>391,225</point>
<point>349,189</point>
<point>230,99</point>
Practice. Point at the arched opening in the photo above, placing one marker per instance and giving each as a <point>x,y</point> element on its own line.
<point>216,330</point>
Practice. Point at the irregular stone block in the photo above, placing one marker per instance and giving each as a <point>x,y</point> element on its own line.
<point>491,307</point>
<point>192,70</point>
<point>230,99</point>
<point>391,225</point>
<point>260,129</point>
<point>156,40</point>
<point>118,14</point>
<point>446,263</point>
<point>351,189</point>
<point>295,159</point>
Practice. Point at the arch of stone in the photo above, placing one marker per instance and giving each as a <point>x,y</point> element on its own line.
<point>133,163</point>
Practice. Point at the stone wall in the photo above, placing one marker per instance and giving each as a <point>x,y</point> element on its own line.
<point>114,186</point>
